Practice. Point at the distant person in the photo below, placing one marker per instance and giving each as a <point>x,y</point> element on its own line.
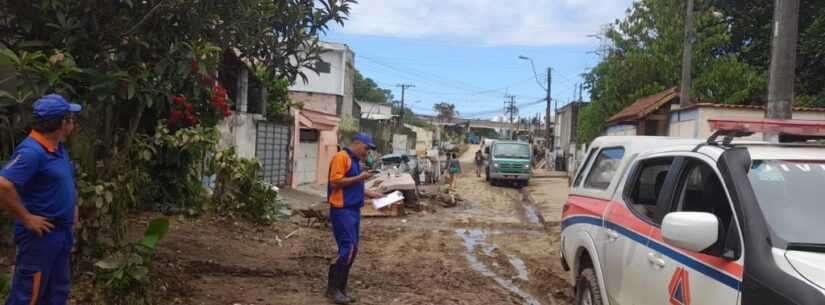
<point>37,187</point>
<point>346,194</point>
<point>454,168</point>
<point>479,160</point>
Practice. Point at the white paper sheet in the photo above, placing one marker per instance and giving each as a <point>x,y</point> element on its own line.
<point>387,200</point>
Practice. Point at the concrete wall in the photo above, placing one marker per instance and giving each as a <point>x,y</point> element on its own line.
<point>423,140</point>
<point>684,124</point>
<point>621,130</point>
<point>325,103</point>
<point>368,109</point>
<point>339,81</point>
<point>239,130</point>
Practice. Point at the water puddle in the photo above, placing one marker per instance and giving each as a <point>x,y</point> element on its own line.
<point>532,214</point>
<point>477,238</point>
<point>521,268</point>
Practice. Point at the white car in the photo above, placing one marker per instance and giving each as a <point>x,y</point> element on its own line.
<point>654,220</point>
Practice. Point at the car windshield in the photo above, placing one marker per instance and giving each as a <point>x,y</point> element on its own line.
<point>790,195</point>
<point>515,151</point>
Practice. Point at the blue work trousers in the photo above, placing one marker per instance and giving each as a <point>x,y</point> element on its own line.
<point>346,223</point>
<point>42,273</point>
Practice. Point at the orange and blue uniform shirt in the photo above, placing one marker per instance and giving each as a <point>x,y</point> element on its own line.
<point>45,181</point>
<point>343,165</point>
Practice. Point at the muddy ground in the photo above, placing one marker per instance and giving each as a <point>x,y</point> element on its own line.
<point>496,247</point>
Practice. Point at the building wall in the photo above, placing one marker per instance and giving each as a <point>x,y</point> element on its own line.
<point>240,131</point>
<point>329,83</point>
<point>349,84</point>
<point>684,124</point>
<point>621,130</point>
<point>325,103</point>
<point>368,109</point>
<point>423,139</point>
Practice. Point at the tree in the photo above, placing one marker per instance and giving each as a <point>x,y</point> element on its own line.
<point>645,58</point>
<point>366,90</point>
<point>750,25</point>
<point>446,111</point>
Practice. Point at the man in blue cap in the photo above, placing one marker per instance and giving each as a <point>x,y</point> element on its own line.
<point>345,194</point>
<point>37,187</point>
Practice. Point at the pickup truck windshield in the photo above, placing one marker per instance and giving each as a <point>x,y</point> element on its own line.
<point>512,151</point>
<point>790,194</point>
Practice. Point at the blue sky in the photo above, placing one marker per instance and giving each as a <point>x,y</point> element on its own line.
<point>466,51</point>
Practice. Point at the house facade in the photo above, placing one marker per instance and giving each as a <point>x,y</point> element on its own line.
<point>565,140</point>
<point>661,115</point>
<point>328,99</point>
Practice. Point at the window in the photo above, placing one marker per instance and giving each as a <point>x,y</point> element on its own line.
<point>604,168</point>
<point>647,184</point>
<point>584,166</point>
<point>323,67</point>
<point>701,190</point>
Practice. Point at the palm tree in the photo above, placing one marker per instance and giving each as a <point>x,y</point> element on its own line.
<point>446,111</point>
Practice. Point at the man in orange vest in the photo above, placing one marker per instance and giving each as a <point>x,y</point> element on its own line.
<point>346,194</point>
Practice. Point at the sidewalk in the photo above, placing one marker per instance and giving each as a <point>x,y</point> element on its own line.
<point>304,196</point>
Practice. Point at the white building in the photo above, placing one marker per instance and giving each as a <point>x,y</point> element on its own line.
<point>327,96</point>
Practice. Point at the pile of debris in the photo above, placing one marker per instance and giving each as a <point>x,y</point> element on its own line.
<point>445,198</point>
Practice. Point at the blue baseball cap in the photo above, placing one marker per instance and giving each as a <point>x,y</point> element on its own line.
<point>365,138</point>
<point>53,106</point>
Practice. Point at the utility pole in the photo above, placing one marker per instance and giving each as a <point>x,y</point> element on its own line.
<point>403,91</point>
<point>783,62</point>
<point>548,132</point>
<point>510,109</point>
<point>687,57</point>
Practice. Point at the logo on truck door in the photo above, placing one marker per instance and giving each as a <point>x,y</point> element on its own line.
<point>680,288</point>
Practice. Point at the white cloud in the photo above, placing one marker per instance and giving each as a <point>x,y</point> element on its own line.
<point>487,22</point>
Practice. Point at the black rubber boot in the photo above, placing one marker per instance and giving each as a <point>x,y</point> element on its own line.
<point>344,284</point>
<point>334,284</point>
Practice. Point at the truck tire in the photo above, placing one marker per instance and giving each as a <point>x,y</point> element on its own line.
<point>587,288</point>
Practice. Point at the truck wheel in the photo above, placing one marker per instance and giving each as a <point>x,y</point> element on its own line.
<point>587,288</point>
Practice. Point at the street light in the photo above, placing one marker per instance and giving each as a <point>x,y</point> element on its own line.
<point>548,135</point>
<point>535,74</point>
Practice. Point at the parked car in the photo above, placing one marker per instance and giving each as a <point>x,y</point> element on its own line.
<point>673,221</point>
<point>509,161</point>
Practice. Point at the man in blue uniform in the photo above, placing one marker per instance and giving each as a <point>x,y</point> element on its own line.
<point>346,195</point>
<point>37,188</point>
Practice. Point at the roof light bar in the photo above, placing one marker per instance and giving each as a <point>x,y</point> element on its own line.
<point>790,127</point>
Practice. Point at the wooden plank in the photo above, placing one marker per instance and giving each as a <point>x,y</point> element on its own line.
<point>393,210</point>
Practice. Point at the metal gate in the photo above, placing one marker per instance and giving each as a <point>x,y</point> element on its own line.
<point>272,149</point>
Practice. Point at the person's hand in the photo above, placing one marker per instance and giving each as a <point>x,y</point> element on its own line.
<point>366,175</point>
<point>37,225</point>
<point>373,194</point>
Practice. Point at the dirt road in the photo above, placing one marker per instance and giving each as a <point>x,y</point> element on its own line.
<point>493,249</point>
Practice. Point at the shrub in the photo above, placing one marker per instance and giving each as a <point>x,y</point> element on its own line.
<point>239,190</point>
<point>124,275</point>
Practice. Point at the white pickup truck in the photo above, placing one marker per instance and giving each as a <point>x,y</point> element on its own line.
<point>654,220</point>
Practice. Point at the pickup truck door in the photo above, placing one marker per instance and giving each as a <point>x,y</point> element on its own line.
<point>627,225</point>
<point>681,277</point>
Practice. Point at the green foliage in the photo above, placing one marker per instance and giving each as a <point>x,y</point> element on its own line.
<point>445,111</point>
<point>176,163</point>
<point>5,285</point>
<point>239,191</point>
<point>646,57</point>
<point>278,102</point>
<point>124,275</point>
<point>366,90</point>
<point>751,24</point>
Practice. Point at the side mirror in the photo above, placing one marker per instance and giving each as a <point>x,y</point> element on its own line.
<point>692,231</point>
